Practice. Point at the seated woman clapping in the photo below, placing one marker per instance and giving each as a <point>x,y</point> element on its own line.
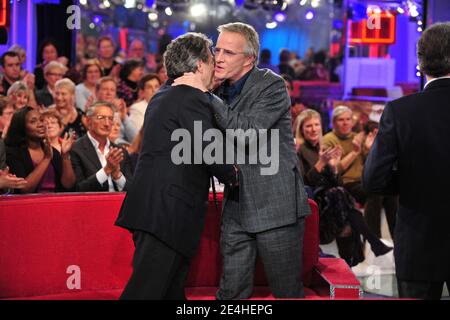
<point>30,155</point>
<point>339,219</point>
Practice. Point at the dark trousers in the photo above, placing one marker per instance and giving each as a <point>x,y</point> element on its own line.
<point>421,289</point>
<point>372,207</point>
<point>280,250</point>
<point>159,272</point>
<point>372,212</point>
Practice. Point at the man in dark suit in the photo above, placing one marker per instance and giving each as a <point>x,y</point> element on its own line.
<point>166,205</point>
<point>410,157</point>
<point>265,215</point>
<point>99,164</point>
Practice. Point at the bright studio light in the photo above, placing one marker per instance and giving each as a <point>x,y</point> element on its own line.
<point>315,3</point>
<point>271,25</point>
<point>83,2</point>
<point>152,16</point>
<point>413,11</point>
<point>198,10</point>
<point>130,4</point>
<point>106,3</point>
<point>303,2</point>
<point>309,15</point>
<point>400,10</point>
<point>168,11</point>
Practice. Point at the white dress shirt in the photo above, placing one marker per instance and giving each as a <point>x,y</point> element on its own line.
<point>101,174</point>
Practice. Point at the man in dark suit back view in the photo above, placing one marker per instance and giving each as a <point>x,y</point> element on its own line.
<point>166,205</point>
<point>410,157</point>
<point>265,215</point>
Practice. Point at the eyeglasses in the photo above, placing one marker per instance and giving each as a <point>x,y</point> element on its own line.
<point>226,52</point>
<point>104,118</point>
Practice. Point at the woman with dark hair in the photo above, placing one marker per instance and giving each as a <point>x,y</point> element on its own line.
<point>130,74</point>
<point>91,73</point>
<point>49,52</point>
<point>29,154</point>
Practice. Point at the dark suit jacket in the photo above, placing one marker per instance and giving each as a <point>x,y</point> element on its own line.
<point>413,138</point>
<point>20,163</point>
<point>166,199</point>
<point>85,164</point>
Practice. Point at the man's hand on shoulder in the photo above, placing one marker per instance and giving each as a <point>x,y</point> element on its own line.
<point>190,79</point>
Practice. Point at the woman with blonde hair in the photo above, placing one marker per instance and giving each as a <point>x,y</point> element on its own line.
<point>19,94</point>
<point>65,107</point>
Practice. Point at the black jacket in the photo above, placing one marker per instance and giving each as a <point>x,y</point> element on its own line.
<point>410,157</point>
<point>85,164</point>
<point>20,163</point>
<point>166,199</point>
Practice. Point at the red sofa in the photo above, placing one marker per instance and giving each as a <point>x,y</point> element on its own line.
<point>67,247</point>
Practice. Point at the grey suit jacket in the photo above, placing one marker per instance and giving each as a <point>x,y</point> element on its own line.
<point>265,201</point>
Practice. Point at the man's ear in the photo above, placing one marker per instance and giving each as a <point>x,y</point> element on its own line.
<point>200,66</point>
<point>249,61</point>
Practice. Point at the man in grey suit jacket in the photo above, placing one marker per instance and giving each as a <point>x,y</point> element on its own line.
<point>265,215</point>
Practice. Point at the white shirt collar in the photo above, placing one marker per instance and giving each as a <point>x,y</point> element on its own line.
<point>434,79</point>
<point>96,143</point>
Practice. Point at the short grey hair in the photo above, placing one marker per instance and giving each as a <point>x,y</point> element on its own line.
<point>16,87</point>
<point>340,110</point>
<point>67,84</point>
<point>184,52</point>
<point>55,65</point>
<point>248,32</point>
<point>91,110</point>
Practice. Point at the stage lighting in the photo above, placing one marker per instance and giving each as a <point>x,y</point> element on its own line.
<point>130,4</point>
<point>279,16</point>
<point>309,15</point>
<point>168,11</point>
<point>198,10</point>
<point>152,16</point>
<point>271,25</point>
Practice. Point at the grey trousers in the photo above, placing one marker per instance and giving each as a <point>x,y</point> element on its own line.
<point>280,250</point>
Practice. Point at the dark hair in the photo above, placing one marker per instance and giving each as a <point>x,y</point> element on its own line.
<point>370,126</point>
<point>433,50</point>
<point>8,54</point>
<point>105,38</point>
<point>320,57</point>
<point>147,77</point>
<point>288,79</point>
<point>183,53</point>
<point>128,67</point>
<point>47,43</point>
<point>265,56</point>
<point>285,56</point>
<point>17,135</point>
